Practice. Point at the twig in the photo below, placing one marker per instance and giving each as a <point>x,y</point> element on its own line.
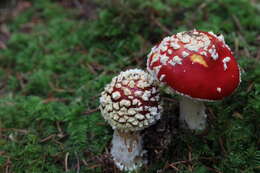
<point>8,165</point>
<point>203,5</point>
<point>209,159</point>
<point>53,99</point>
<point>174,167</point>
<point>236,43</point>
<point>94,166</point>
<point>84,162</point>
<point>58,127</point>
<point>238,24</point>
<point>211,117</point>
<point>60,90</point>
<point>78,4</point>
<point>170,99</point>
<point>22,79</point>
<point>61,144</point>
<point>222,146</point>
<point>78,163</point>
<point>240,34</point>
<point>47,138</point>
<point>190,158</point>
<point>16,130</point>
<point>159,24</point>
<point>213,169</point>
<point>66,162</point>
<point>246,44</point>
<point>91,69</point>
<point>182,162</point>
<point>88,112</point>
<point>1,130</point>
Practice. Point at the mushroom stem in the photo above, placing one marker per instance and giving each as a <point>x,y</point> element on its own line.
<point>127,150</point>
<point>192,114</point>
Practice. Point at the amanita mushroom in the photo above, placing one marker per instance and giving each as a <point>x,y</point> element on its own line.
<point>130,103</point>
<point>197,65</point>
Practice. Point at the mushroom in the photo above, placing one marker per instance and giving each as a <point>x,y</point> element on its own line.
<point>197,65</point>
<point>130,103</point>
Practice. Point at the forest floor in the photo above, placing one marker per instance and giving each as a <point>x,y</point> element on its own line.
<point>57,56</point>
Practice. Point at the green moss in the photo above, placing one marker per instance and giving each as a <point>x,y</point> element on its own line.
<point>53,74</point>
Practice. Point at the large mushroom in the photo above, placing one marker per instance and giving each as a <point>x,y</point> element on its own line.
<point>197,65</point>
<point>130,103</point>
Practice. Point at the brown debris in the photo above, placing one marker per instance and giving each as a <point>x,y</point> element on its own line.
<point>8,14</point>
<point>237,115</point>
<point>14,11</point>
<point>103,161</point>
<point>86,9</point>
<point>28,27</point>
<point>4,36</point>
<point>54,99</point>
<point>158,144</point>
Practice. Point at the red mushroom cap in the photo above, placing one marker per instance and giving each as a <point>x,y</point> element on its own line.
<point>196,64</point>
<point>131,102</point>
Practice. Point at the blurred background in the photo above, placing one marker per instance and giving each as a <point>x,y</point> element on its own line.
<point>56,56</point>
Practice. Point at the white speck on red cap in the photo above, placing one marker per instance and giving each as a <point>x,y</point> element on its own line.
<point>175,45</point>
<point>185,54</point>
<point>116,95</point>
<point>225,60</point>
<point>162,77</point>
<point>164,58</point>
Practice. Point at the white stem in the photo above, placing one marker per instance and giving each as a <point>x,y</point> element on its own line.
<point>192,114</point>
<point>127,150</point>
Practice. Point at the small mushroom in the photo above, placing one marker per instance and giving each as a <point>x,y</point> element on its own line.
<point>130,103</point>
<point>198,66</point>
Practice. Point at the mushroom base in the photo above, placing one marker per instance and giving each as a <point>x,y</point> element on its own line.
<point>192,114</point>
<point>127,150</point>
